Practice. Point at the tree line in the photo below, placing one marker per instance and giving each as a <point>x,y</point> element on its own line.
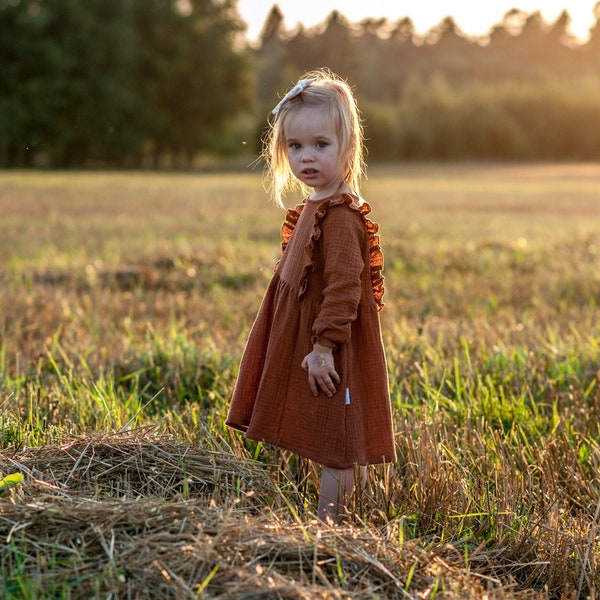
<point>151,83</point>
<point>527,90</point>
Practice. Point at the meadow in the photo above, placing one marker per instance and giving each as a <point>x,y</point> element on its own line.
<point>125,301</point>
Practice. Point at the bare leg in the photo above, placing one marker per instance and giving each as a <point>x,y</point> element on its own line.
<point>336,488</point>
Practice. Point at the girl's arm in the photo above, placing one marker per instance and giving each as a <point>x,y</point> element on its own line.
<point>343,235</point>
<point>343,239</point>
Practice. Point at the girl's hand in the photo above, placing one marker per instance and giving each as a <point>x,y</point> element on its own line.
<point>321,370</point>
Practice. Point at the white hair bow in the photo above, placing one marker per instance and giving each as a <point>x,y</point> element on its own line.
<point>295,91</point>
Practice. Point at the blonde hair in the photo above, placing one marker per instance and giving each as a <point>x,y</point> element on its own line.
<point>335,96</point>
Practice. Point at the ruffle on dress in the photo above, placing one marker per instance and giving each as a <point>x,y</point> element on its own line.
<point>375,253</point>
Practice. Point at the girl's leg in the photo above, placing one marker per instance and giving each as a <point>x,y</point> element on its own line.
<point>336,489</point>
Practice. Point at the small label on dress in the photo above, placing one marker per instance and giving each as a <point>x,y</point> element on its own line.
<point>347,396</point>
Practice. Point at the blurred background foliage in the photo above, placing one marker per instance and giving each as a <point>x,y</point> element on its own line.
<point>168,83</point>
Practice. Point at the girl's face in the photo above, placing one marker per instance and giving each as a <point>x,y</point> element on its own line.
<point>313,150</point>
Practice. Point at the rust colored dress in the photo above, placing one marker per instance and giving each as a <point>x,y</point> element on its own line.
<point>326,288</point>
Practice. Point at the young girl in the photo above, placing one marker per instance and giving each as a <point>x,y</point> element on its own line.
<point>313,376</point>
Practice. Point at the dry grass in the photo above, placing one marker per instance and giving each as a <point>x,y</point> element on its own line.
<point>133,515</point>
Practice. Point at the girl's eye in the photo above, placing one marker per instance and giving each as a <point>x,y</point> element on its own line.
<point>294,146</point>
<point>321,144</point>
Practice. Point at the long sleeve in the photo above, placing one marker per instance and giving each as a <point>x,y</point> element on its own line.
<point>343,240</point>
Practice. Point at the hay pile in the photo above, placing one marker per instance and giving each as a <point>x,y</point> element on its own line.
<point>132,465</point>
<point>133,516</point>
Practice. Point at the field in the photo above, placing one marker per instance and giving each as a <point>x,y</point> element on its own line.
<point>125,301</point>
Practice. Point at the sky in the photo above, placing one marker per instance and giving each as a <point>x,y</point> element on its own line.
<point>473,17</point>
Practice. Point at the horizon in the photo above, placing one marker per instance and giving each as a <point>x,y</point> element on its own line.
<point>474,20</point>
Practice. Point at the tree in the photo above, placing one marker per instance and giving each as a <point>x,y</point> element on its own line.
<point>21,85</point>
<point>271,57</point>
<point>193,77</point>
<point>93,98</point>
<point>66,93</point>
<point>592,48</point>
<point>369,44</point>
<point>338,44</point>
<point>272,28</point>
<point>450,52</point>
<point>332,45</point>
<point>106,80</point>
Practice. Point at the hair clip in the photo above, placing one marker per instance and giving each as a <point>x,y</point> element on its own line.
<point>295,91</point>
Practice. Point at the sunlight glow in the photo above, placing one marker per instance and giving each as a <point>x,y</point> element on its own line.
<point>472,18</point>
